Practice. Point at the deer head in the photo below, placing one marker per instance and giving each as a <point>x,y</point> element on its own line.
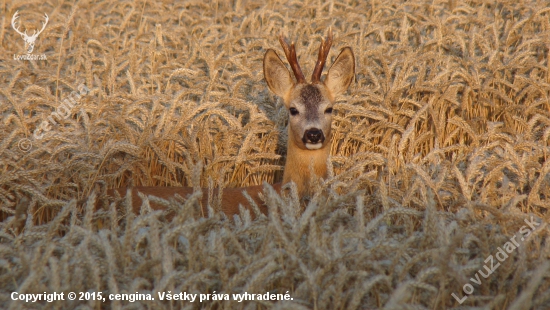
<point>309,104</point>
<point>29,40</point>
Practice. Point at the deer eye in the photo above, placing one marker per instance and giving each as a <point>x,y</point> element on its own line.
<point>328,111</point>
<point>293,111</point>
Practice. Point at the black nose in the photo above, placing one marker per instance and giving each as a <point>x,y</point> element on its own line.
<point>314,135</point>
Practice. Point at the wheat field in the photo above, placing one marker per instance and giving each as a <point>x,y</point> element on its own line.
<point>440,155</point>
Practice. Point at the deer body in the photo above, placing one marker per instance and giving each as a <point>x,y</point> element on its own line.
<point>231,198</point>
<point>309,131</point>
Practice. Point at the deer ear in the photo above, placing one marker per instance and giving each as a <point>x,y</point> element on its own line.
<point>341,73</point>
<point>276,74</point>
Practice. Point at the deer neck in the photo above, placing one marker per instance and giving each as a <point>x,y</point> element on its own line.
<point>298,162</point>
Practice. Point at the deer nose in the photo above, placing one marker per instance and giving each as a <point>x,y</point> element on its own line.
<point>314,135</point>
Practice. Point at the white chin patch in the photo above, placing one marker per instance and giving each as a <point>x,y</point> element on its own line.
<point>316,146</point>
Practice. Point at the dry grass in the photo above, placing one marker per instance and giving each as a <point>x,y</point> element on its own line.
<point>440,152</point>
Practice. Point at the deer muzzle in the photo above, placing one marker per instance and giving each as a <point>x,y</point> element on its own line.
<point>313,138</point>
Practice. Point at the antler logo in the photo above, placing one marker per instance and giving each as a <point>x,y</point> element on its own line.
<point>29,40</point>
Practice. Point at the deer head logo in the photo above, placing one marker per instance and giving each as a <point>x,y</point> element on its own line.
<point>29,40</point>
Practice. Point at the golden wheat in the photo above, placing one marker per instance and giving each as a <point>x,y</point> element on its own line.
<point>440,153</point>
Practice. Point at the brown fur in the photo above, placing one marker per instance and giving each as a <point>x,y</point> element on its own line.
<point>297,167</point>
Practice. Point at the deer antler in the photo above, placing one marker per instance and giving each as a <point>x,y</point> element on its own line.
<point>324,48</point>
<point>290,52</point>
<point>43,25</point>
<point>13,19</point>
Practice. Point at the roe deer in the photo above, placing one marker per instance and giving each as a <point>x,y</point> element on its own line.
<point>309,131</point>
